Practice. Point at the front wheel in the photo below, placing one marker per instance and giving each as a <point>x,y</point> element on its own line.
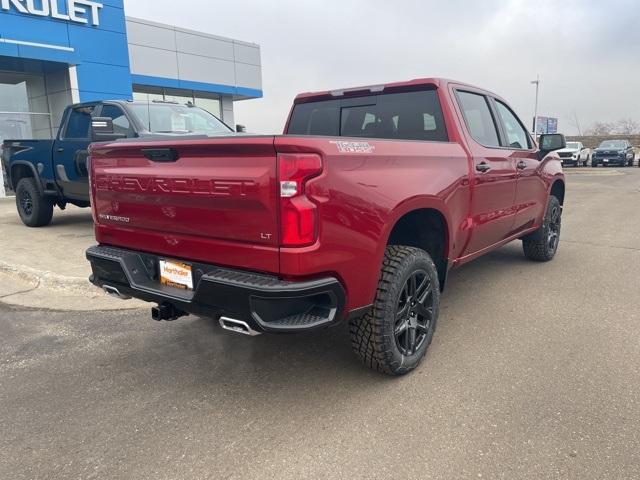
<point>34,209</point>
<point>394,336</point>
<point>542,245</point>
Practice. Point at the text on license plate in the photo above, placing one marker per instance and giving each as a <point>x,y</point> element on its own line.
<point>176,274</point>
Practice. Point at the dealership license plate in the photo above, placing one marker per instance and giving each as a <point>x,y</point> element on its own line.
<point>176,274</point>
<point>605,160</point>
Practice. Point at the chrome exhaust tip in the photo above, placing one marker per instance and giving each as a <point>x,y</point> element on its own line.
<point>237,326</point>
<point>114,292</point>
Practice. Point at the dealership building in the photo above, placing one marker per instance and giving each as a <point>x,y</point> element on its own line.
<point>57,52</point>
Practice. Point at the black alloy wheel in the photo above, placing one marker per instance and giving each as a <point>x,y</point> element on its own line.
<point>415,313</point>
<point>26,202</point>
<point>555,218</point>
<point>35,210</point>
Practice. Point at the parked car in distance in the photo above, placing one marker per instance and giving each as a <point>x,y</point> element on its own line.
<point>575,154</point>
<point>46,173</point>
<point>356,213</point>
<point>613,152</point>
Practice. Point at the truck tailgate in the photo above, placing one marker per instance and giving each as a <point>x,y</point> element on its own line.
<point>209,200</point>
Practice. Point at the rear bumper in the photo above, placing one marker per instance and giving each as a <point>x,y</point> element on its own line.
<point>265,302</point>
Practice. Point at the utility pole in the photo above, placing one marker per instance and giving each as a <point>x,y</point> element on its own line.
<point>536,82</point>
<point>575,116</point>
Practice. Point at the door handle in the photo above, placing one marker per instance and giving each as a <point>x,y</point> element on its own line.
<point>60,150</point>
<point>521,165</point>
<point>483,167</point>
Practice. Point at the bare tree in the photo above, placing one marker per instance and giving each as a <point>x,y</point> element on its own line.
<point>627,126</point>
<point>601,128</point>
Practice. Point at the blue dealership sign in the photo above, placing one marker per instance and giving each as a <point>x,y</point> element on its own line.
<point>89,35</point>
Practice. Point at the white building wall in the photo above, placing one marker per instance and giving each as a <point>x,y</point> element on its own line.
<point>160,50</point>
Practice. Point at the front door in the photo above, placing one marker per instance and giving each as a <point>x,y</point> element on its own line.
<point>531,189</point>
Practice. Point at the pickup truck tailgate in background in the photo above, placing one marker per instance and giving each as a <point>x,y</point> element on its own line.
<point>210,200</point>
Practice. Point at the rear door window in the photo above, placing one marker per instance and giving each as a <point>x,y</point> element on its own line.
<point>478,118</point>
<point>402,116</point>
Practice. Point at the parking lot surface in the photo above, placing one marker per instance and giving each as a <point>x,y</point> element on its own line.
<point>533,374</point>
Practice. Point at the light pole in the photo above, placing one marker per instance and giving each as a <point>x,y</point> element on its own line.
<point>536,82</point>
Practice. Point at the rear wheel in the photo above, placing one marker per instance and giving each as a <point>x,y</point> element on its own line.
<point>34,209</point>
<point>542,245</point>
<point>394,336</point>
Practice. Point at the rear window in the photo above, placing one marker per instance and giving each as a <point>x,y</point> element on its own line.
<point>402,116</point>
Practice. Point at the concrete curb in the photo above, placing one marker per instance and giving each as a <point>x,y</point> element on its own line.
<point>594,172</point>
<point>50,291</point>
<point>49,280</point>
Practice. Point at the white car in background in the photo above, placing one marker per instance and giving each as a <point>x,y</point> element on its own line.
<point>575,154</point>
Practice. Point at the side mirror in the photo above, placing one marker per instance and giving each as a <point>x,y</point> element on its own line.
<point>551,142</point>
<point>102,130</point>
<point>241,129</point>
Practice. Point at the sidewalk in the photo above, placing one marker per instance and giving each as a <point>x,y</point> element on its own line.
<point>46,267</point>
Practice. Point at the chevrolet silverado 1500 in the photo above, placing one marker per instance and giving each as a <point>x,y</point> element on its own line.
<point>356,213</point>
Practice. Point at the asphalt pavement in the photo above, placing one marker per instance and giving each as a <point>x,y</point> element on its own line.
<point>533,374</point>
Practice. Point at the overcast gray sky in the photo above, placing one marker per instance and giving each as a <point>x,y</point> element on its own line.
<point>586,52</point>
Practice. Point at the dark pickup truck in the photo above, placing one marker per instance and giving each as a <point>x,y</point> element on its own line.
<point>46,173</point>
<point>356,213</point>
<point>613,152</point>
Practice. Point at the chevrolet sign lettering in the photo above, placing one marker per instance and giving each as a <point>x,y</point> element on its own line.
<point>218,188</point>
<point>79,11</point>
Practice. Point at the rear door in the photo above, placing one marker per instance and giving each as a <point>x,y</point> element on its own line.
<point>70,152</point>
<point>494,173</point>
<point>531,190</point>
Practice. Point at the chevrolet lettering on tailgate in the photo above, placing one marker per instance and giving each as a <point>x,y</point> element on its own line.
<point>213,187</point>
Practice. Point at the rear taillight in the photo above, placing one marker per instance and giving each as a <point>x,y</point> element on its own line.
<point>298,215</point>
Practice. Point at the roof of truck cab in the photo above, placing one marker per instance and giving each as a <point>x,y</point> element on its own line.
<point>126,102</point>
<point>384,87</point>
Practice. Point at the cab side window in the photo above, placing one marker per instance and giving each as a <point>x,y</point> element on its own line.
<point>79,123</point>
<point>517,137</point>
<point>121,123</point>
<point>478,117</point>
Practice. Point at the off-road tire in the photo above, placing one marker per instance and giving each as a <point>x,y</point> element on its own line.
<point>373,336</point>
<point>34,209</point>
<point>542,245</point>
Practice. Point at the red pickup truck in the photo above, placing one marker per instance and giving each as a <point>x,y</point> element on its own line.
<point>356,213</point>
